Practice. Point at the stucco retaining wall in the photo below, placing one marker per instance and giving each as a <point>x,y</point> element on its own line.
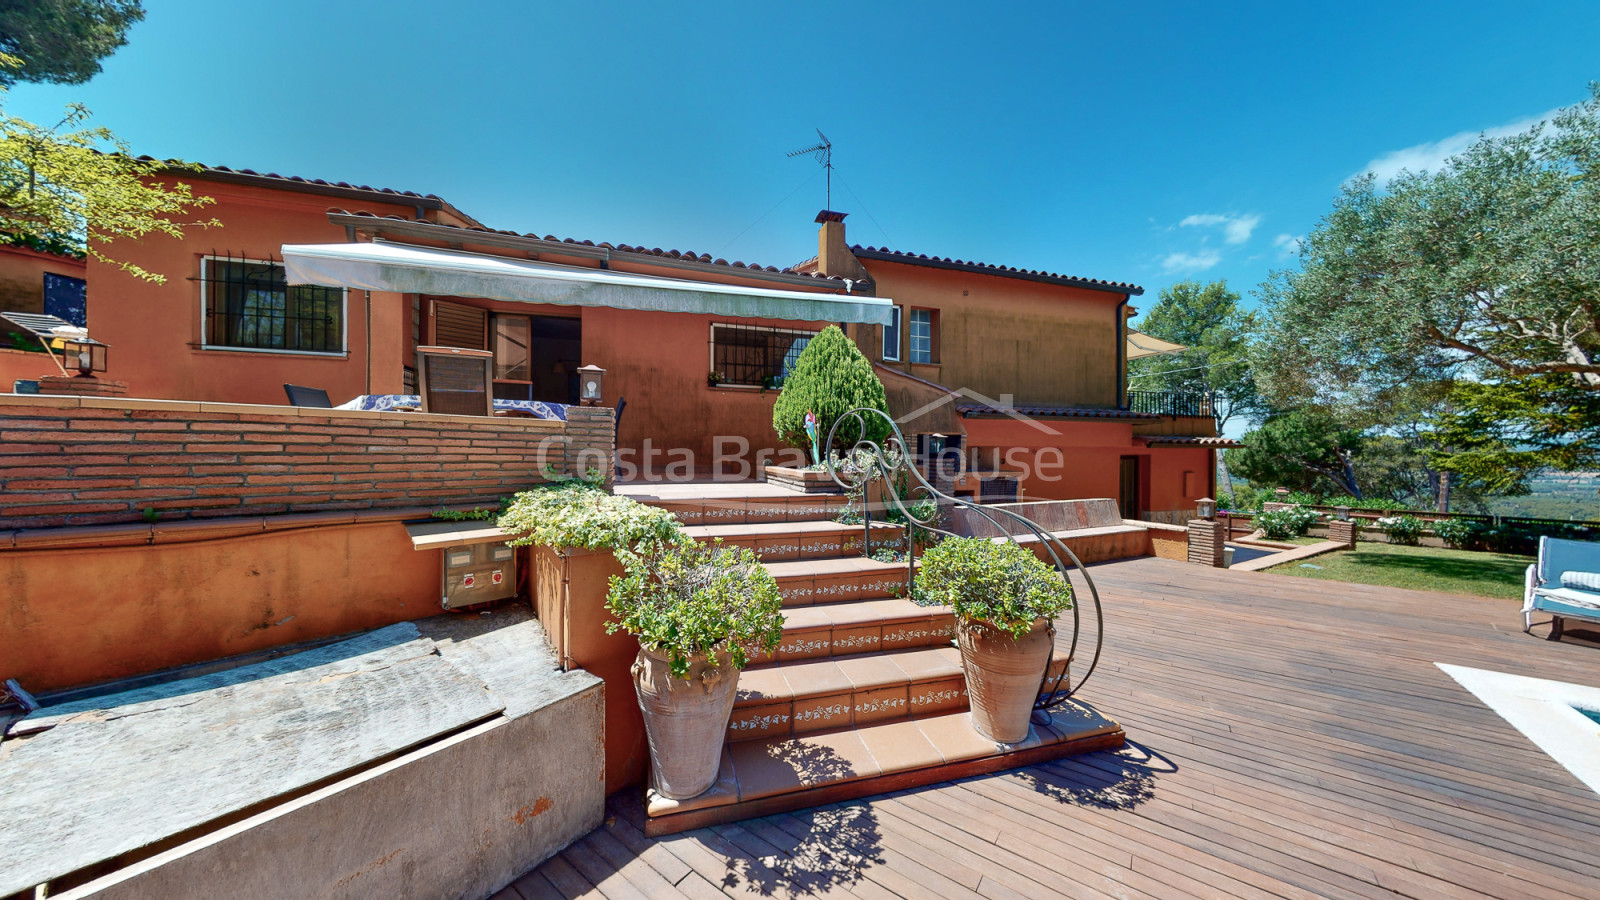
<point>461,817</point>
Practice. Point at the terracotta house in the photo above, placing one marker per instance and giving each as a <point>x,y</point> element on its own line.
<point>36,281</point>
<point>1019,376</point>
<point>1035,365</point>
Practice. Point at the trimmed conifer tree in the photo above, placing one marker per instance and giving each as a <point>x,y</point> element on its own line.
<point>831,377</point>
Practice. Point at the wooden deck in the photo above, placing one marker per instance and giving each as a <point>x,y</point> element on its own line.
<point>1289,738</point>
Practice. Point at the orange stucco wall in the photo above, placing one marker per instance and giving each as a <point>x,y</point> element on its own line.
<point>156,330</point>
<point>1080,461</point>
<point>15,364</point>
<point>84,615</point>
<point>22,272</point>
<point>1171,468</point>
<point>1041,343</point>
<point>1083,460</point>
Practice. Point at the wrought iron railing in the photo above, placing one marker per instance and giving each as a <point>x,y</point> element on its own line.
<point>891,461</point>
<point>1171,403</point>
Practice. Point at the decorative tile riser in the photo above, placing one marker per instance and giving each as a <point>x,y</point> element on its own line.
<point>736,512</point>
<point>805,590</point>
<point>848,709</point>
<point>847,640</point>
<point>791,548</point>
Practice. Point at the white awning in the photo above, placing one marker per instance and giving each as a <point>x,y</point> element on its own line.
<point>406,269</point>
<point>1141,345</point>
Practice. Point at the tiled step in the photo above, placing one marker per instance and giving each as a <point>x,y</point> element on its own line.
<point>828,693</point>
<point>792,507</point>
<point>810,581</point>
<point>792,541</point>
<point>861,626</point>
<point>761,777</point>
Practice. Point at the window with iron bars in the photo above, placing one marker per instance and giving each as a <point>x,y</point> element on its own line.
<point>755,355</point>
<point>249,305</point>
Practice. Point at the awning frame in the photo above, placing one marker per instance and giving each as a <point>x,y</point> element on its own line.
<point>411,269</point>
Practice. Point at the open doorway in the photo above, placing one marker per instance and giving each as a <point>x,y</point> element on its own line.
<point>1128,492</point>
<point>536,357</point>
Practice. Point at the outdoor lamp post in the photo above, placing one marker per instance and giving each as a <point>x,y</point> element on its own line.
<point>88,355</point>
<point>1343,512</point>
<point>1205,507</point>
<point>591,385</point>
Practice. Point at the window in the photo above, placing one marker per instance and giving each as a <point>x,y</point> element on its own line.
<point>66,298</point>
<point>248,305</point>
<point>924,336</point>
<point>891,338</point>
<point>752,355</point>
<point>510,337</point>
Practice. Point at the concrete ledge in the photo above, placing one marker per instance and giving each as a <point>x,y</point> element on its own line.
<point>460,818</point>
<point>1298,553</point>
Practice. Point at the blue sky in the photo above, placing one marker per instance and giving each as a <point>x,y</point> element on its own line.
<point>1146,144</point>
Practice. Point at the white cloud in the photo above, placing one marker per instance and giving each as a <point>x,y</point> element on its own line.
<point>1288,245</point>
<point>1430,157</point>
<point>1235,229</point>
<point>1190,262</point>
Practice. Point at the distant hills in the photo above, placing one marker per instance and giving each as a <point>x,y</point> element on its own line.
<point>1556,495</point>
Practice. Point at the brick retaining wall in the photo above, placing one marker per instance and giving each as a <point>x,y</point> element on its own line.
<point>86,461</point>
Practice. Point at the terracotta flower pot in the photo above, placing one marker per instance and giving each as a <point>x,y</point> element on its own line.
<point>685,720</point>
<point>1003,676</point>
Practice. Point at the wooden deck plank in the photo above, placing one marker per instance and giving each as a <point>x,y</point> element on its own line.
<point>1290,740</point>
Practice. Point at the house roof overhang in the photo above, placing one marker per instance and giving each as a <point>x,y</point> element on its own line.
<point>1167,440</point>
<point>984,411</point>
<point>935,262</point>
<point>406,230</point>
<point>411,269</point>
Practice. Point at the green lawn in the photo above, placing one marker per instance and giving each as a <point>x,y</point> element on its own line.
<point>1420,568</point>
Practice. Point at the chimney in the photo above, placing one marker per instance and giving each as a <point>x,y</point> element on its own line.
<point>833,253</point>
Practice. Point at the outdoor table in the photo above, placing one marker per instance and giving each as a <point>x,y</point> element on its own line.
<point>413,402</point>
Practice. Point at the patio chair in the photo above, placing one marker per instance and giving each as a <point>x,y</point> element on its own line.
<point>315,398</point>
<point>455,381</point>
<point>1565,583</point>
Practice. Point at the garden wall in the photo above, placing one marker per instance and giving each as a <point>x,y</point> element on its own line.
<point>87,461</point>
<point>276,525</point>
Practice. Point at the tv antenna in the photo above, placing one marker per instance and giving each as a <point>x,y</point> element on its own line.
<point>822,152</point>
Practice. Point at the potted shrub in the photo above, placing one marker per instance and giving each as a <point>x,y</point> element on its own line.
<point>698,610</point>
<point>1005,600</point>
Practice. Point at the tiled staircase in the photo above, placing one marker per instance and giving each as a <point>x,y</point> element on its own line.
<point>865,694</point>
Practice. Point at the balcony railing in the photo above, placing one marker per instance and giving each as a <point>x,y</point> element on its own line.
<point>1171,403</point>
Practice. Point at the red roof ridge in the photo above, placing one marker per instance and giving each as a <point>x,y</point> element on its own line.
<point>685,255</point>
<point>994,269</point>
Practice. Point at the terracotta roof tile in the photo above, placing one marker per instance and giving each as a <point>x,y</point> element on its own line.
<point>1184,441</point>
<point>884,253</point>
<point>1060,412</point>
<point>685,255</point>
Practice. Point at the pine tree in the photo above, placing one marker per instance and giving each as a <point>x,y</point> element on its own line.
<point>831,377</point>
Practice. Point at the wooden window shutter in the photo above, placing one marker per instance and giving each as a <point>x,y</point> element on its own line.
<point>459,325</point>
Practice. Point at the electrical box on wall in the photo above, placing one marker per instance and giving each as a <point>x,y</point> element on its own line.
<point>478,573</point>
<point>476,566</point>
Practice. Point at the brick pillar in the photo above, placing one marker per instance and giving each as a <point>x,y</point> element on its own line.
<point>81,386</point>
<point>1343,531</point>
<point>591,442</point>
<point>1207,540</point>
